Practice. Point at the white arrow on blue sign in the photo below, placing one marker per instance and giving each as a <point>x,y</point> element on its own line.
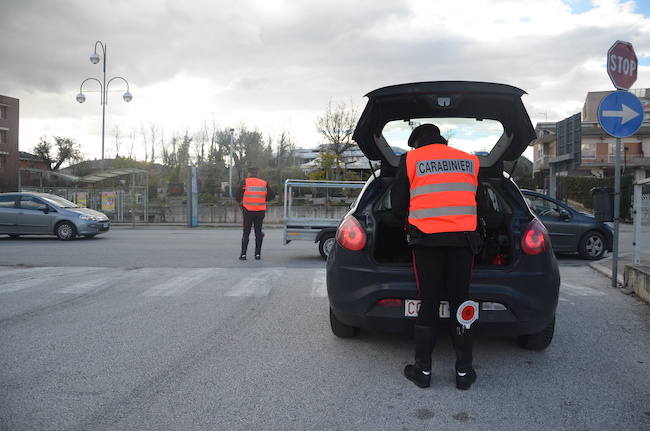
<point>620,114</point>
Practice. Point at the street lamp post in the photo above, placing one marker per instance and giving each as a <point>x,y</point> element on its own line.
<point>103,89</point>
<point>232,142</point>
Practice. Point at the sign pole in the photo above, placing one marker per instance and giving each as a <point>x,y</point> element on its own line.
<point>617,211</point>
<point>620,114</point>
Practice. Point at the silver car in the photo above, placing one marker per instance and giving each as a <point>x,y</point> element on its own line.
<point>47,214</point>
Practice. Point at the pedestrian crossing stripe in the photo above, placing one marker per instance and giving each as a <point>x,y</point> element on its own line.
<point>162,282</point>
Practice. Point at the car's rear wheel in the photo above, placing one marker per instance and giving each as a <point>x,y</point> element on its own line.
<point>538,341</point>
<point>342,330</point>
<point>592,245</point>
<point>326,243</point>
<point>66,231</point>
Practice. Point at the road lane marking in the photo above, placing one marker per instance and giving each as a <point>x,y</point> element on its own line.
<point>319,287</point>
<point>179,284</point>
<point>39,280</point>
<point>167,282</point>
<point>256,285</point>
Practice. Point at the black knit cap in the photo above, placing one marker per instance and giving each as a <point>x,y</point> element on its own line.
<point>430,132</point>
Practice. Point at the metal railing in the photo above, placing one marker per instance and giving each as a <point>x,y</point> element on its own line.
<point>641,219</point>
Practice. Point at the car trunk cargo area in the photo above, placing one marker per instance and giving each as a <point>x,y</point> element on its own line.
<point>495,216</point>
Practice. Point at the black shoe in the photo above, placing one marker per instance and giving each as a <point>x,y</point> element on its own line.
<point>464,380</point>
<point>242,257</point>
<point>258,257</point>
<point>418,376</point>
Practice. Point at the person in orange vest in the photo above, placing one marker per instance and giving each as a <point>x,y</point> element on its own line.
<point>434,193</point>
<point>252,194</point>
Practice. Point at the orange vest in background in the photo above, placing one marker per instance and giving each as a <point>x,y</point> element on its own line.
<point>443,183</point>
<point>254,194</point>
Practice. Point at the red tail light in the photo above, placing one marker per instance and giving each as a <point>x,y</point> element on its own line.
<point>350,234</point>
<point>535,238</point>
<point>390,302</point>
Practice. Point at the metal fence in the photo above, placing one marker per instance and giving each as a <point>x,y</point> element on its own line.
<point>641,220</point>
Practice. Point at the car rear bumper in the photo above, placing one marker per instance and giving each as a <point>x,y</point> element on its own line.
<point>517,301</point>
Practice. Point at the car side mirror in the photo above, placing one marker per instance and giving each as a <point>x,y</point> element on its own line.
<point>45,209</point>
<point>564,215</point>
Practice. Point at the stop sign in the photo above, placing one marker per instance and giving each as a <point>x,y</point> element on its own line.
<point>622,65</point>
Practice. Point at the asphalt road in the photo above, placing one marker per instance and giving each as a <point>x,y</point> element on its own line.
<point>164,329</point>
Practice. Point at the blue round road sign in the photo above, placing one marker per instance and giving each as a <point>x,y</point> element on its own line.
<point>620,114</point>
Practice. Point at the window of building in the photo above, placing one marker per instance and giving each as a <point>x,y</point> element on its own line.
<point>589,151</point>
<point>3,136</point>
<point>3,112</point>
<point>611,149</point>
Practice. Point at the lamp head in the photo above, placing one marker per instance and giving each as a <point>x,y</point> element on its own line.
<point>94,59</point>
<point>127,97</point>
<point>81,98</point>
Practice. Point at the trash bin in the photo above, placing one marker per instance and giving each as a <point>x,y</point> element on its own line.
<point>603,203</point>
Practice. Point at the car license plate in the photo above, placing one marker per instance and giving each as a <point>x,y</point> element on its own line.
<point>106,225</point>
<point>412,308</point>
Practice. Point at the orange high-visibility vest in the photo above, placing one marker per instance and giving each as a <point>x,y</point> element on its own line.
<point>443,183</point>
<point>254,194</point>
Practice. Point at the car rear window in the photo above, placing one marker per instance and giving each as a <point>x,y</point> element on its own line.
<point>473,136</point>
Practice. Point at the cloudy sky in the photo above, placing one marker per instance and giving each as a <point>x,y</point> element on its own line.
<point>275,64</point>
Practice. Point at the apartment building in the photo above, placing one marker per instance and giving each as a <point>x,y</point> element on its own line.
<point>9,155</point>
<point>579,146</point>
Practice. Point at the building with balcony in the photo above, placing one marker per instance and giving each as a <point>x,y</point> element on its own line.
<point>579,146</point>
<point>9,154</point>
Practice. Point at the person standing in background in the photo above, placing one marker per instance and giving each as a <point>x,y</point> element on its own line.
<point>252,194</point>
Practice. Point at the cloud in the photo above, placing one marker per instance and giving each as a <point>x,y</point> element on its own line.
<point>275,64</point>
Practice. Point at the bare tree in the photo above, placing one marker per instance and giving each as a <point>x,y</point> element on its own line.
<point>153,136</point>
<point>337,125</point>
<point>143,134</point>
<point>202,138</point>
<point>117,136</point>
<point>248,150</point>
<point>286,147</point>
<point>133,136</point>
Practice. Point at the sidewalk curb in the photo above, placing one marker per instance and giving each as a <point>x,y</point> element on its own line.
<point>601,267</point>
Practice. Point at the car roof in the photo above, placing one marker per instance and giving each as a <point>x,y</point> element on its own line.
<point>27,194</point>
<point>462,99</point>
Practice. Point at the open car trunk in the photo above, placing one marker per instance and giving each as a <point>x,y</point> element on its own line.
<point>495,216</point>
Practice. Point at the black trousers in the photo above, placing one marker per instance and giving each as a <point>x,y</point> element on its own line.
<point>442,272</point>
<point>252,219</point>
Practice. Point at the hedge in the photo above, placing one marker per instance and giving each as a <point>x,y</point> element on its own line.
<point>578,189</point>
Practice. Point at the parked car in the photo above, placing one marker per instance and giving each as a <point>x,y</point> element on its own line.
<point>516,280</point>
<point>47,214</point>
<point>571,231</point>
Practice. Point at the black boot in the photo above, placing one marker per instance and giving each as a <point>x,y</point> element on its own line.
<point>420,372</point>
<point>463,340</point>
<point>258,246</point>
<point>244,248</point>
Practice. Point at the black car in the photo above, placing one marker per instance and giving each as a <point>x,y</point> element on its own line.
<point>571,231</point>
<point>516,281</point>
